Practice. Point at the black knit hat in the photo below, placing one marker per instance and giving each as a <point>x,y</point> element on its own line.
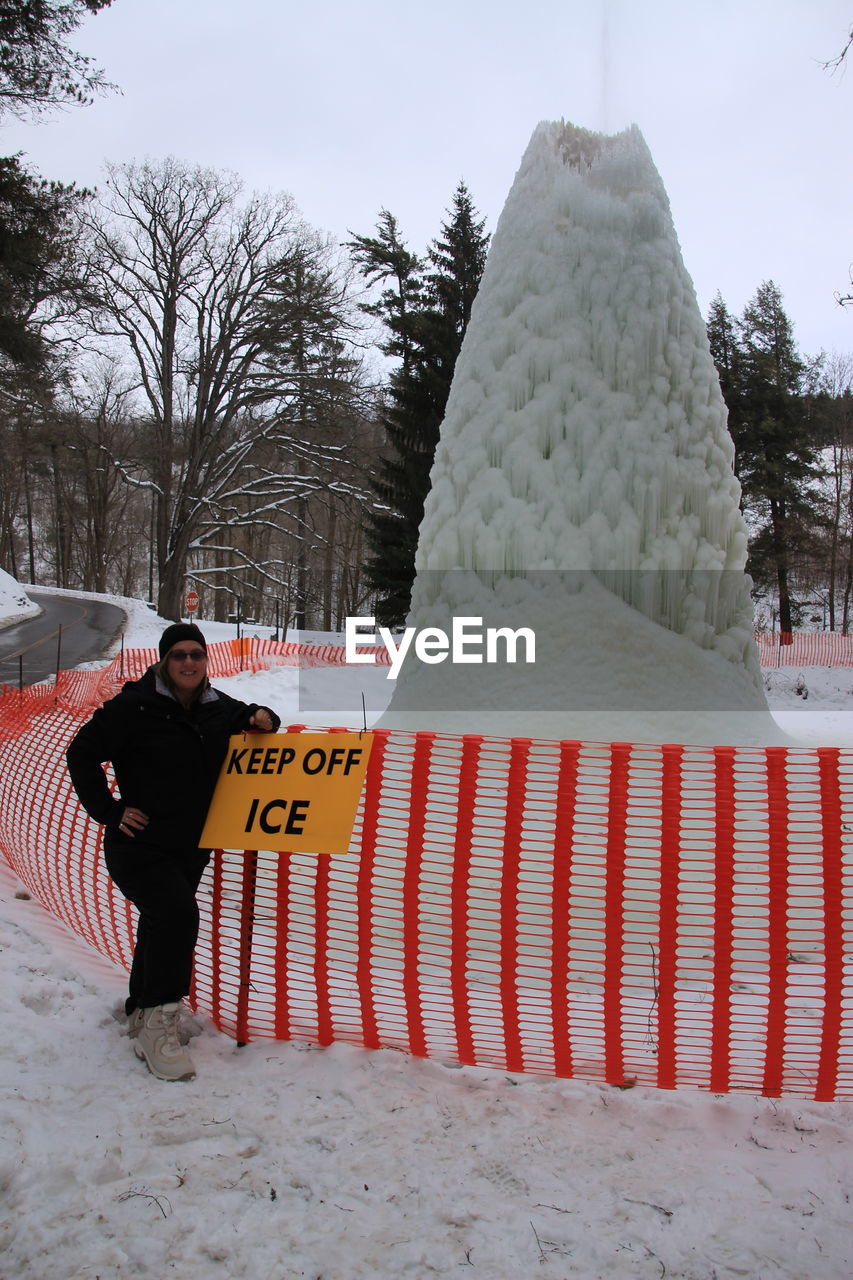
<point>180,631</point>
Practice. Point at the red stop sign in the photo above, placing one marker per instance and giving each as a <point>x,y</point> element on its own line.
<point>191,601</point>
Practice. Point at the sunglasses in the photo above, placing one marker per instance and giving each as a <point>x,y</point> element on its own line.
<point>191,655</point>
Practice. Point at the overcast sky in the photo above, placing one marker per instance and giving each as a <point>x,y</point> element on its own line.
<point>359,105</point>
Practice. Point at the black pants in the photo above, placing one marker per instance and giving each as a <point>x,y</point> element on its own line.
<point>161,884</point>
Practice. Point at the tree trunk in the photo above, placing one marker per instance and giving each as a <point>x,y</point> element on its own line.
<point>31,540</point>
<point>329,567</point>
<point>780,552</point>
<point>301,566</point>
<point>60,533</point>
<point>848,588</point>
<point>10,539</point>
<point>170,599</point>
<point>152,544</point>
<point>838,460</point>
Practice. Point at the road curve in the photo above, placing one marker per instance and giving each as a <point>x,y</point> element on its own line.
<point>31,647</point>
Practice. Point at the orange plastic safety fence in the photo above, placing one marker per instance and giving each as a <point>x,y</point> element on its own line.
<point>804,649</point>
<point>669,915</point>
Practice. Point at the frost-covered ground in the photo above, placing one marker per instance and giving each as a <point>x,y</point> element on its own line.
<point>282,1160</point>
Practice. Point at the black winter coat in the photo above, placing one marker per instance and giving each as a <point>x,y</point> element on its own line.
<point>166,758</point>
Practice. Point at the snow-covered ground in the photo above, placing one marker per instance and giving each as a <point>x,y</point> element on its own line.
<point>284,1160</point>
<point>15,604</point>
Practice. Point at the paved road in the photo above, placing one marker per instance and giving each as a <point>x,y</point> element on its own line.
<point>88,629</point>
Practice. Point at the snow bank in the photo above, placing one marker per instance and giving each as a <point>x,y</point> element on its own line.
<point>15,604</point>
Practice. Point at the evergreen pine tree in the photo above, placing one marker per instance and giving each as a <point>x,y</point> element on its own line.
<point>384,259</point>
<point>765,384</point>
<point>35,243</point>
<point>725,349</point>
<point>38,72</point>
<point>38,69</point>
<point>427,314</point>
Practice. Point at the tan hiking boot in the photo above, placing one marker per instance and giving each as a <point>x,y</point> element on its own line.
<point>156,1042</point>
<point>134,1022</point>
<point>189,1023</point>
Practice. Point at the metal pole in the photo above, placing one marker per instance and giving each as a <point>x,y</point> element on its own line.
<point>58,662</point>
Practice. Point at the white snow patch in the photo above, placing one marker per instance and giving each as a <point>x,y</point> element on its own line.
<point>15,604</point>
<point>289,1160</point>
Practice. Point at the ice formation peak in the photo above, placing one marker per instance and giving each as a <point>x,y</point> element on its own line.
<point>578,148</point>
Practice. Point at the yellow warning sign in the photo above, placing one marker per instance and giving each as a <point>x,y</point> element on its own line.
<point>293,792</point>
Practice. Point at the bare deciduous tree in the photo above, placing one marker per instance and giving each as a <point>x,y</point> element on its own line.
<point>223,308</point>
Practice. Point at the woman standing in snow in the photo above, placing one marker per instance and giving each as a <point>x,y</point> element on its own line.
<point>166,736</point>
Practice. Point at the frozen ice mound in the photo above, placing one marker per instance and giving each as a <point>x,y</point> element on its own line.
<point>585,432</point>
